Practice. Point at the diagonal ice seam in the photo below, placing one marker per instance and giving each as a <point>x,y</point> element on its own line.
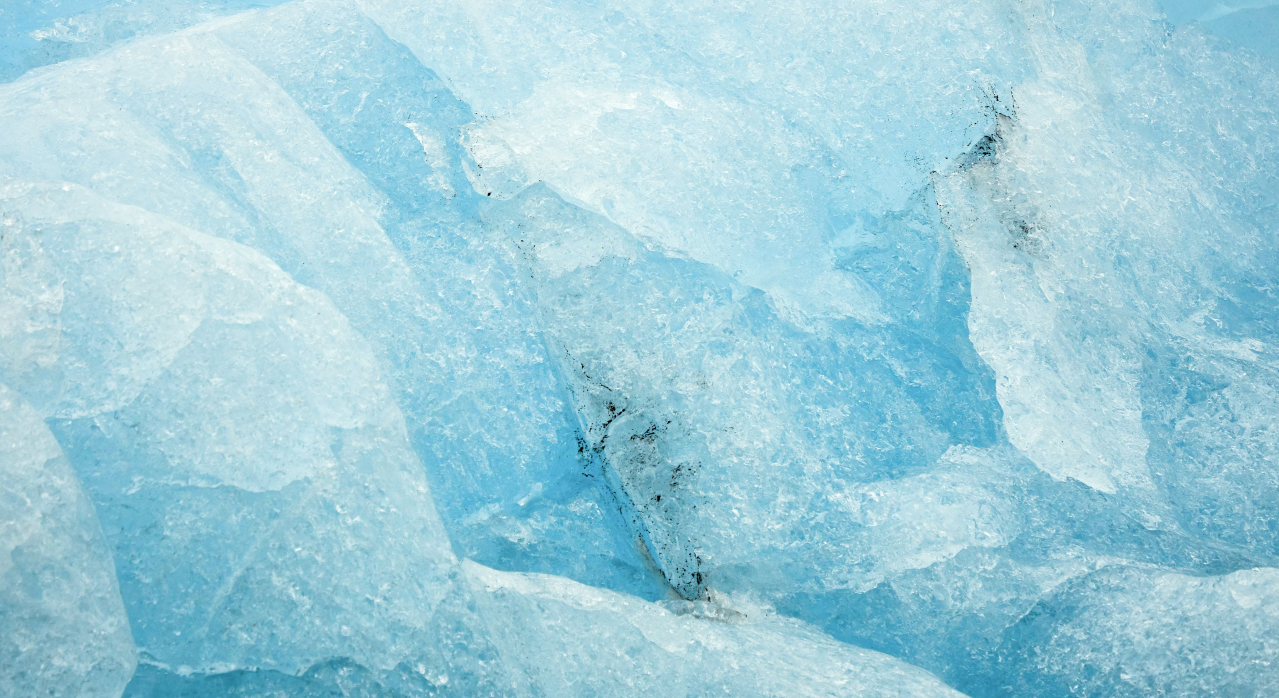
<point>650,483</point>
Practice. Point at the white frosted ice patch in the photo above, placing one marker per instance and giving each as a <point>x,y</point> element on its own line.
<point>434,155</point>
<point>916,522</point>
<point>1073,409</point>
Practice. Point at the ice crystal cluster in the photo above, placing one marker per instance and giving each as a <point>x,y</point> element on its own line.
<point>645,348</point>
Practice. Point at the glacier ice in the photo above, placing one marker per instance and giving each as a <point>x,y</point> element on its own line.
<point>191,381</point>
<point>716,651</point>
<point>373,348</point>
<point>63,628</point>
<point>1165,634</point>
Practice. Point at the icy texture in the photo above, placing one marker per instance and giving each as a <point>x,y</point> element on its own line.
<point>680,648</point>
<point>1125,304</point>
<point>1249,23</point>
<point>240,161</point>
<point>684,160</point>
<point>1137,632</point>
<point>36,33</point>
<point>192,382</point>
<point>636,648</point>
<point>63,631</point>
<point>420,348</point>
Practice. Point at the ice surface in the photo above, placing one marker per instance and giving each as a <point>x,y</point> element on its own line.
<point>1160,634</point>
<point>1248,23</point>
<point>681,152</point>
<point>1128,301</point>
<point>681,390</point>
<point>637,648</point>
<point>36,33</point>
<point>236,437</point>
<point>448,380</point>
<point>676,648</point>
<point>63,629</point>
<point>418,348</point>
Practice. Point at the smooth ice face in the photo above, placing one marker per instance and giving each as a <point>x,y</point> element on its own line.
<point>1247,23</point>
<point>63,630</point>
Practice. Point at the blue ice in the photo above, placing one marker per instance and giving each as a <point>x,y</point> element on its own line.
<point>407,348</point>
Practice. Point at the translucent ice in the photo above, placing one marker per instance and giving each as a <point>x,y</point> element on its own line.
<point>681,392</point>
<point>581,348</point>
<point>678,648</point>
<point>236,437</point>
<point>63,630</point>
<point>35,33</point>
<point>1165,634</point>
<point>1098,309</point>
<point>682,151</point>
